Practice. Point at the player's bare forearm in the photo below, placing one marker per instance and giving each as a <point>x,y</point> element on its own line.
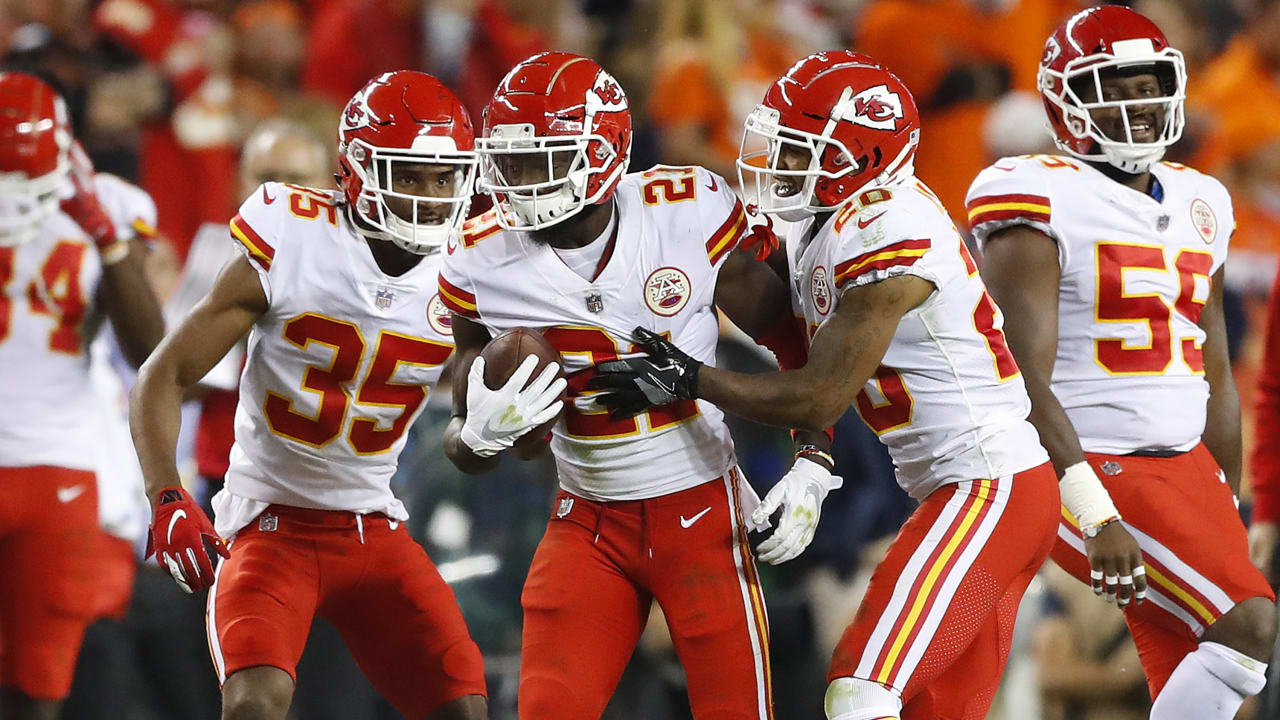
<point>1020,269</point>
<point>155,415</point>
<point>458,452</point>
<point>752,295</point>
<point>469,338</point>
<point>185,355</point>
<point>844,354</point>
<point>1222,422</point>
<point>755,297</point>
<point>131,305</point>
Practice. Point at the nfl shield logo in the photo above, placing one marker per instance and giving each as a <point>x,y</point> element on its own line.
<point>268,523</point>
<point>566,505</point>
<point>1163,223</point>
<point>383,298</point>
<point>1111,467</point>
<point>595,303</point>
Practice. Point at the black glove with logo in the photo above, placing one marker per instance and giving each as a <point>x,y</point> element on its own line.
<point>665,376</point>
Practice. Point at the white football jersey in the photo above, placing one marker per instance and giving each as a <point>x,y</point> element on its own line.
<point>47,322</point>
<point>1135,276</point>
<point>337,368</point>
<point>675,227</point>
<point>948,400</point>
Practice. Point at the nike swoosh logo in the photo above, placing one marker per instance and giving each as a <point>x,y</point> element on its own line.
<point>265,197</point>
<point>686,524</point>
<point>67,494</point>
<point>174,521</point>
<point>862,224</point>
<point>714,186</point>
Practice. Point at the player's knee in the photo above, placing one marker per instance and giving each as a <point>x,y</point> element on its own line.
<point>855,699</point>
<point>251,707</point>
<point>1249,628</point>
<point>261,693</point>
<point>551,698</point>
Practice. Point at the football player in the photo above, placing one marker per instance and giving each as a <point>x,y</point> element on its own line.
<point>652,507</point>
<point>338,292</point>
<point>1109,263</point>
<point>63,265</point>
<point>903,329</point>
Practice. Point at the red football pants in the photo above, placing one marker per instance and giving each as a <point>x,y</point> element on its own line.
<point>937,620</point>
<point>1195,547</point>
<point>49,542</point>
<point>366,576</point>
<point>597,571</point>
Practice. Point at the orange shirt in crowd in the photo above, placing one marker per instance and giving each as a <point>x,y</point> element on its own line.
<point>1241,96</point>
<point>686,92</point>
<point>922,40</point>
<point>1242,99</point>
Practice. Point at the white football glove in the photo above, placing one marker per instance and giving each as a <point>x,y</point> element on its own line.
<point>800,493</point>
<point>497,418</point>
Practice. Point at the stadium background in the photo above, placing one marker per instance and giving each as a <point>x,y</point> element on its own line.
<point>163,92</point>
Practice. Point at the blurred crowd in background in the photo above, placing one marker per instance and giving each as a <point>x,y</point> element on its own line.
<point>166,93</point>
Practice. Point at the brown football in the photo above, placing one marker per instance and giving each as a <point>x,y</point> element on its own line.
<point>503,355</point>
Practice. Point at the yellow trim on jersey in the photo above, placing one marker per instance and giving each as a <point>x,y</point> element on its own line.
<point>141,227</point>
<point>1006,206</point>
<point>458,301</point>
<point>254,250</point>
<point>728,237</point>
<point>879,257</point>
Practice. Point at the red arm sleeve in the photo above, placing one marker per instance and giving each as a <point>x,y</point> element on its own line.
<point>1266,446</point>
<point>787,343</point>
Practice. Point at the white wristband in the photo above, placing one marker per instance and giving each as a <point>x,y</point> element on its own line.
<point>1086,498</point>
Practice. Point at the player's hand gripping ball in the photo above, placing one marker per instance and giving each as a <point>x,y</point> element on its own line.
<point>515,393</point>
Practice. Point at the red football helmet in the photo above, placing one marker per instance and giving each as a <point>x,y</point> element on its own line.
<point>407,118</point>
<point>855,120</point>
<point>35,146</point>
<point>557,137</point>
<point>1090,45</point>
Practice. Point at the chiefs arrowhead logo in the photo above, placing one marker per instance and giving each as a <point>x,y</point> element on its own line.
<point>606,94</point>
<point>1051,51</point>
<point>876,107</point>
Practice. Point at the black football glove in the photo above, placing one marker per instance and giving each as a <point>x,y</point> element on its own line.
<point>665,376</point>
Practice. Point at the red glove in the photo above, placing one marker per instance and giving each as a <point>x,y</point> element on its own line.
<point>177,538</point>
<point>759,238</point>
<point>85,208</point>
